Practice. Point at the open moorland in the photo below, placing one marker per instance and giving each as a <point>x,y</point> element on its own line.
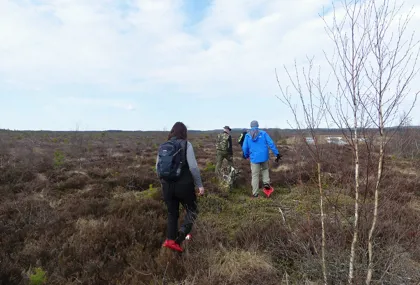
<point>86,208</point>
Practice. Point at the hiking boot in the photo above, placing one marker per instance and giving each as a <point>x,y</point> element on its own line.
<point>255,196</point>
<point>267,186</point>
<point>170,243</point>
<point>268,190</point>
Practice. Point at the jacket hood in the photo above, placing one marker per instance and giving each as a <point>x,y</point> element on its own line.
<point>254,132</point>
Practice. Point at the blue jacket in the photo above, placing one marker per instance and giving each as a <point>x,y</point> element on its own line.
<point>256,146</point>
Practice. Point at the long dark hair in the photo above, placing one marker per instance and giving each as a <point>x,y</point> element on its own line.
<point>179,130</point>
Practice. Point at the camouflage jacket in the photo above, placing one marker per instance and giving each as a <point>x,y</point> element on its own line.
<point>224,143</point>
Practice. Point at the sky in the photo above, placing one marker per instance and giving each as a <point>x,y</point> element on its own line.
<point>145,64</point>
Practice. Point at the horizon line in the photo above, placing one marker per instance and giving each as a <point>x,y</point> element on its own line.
<point>193,130</point>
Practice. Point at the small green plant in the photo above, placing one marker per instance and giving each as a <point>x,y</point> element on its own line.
<point>58,158</point>
<point>210,166</point>
<point>38,278</point>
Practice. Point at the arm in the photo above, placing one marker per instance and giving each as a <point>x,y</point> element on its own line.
<point>192,162</point>
<point>240,138</point>
<point>245,148</point>
<point>271,144</point>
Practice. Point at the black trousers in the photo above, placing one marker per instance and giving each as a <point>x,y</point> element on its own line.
<point>174,195</point>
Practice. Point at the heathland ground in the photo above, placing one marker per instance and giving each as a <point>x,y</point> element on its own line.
<point>86,208</point>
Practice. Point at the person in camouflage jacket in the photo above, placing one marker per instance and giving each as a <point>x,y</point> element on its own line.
<point>224,149</point>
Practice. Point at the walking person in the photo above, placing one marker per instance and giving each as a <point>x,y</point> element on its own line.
<point>241,138</point>
<point>224,149</point>
<point>256,147</point>
<point>179,174</point>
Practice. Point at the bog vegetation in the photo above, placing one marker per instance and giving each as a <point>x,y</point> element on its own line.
<point>86,208</point>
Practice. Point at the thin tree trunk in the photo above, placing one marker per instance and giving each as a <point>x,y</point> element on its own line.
<point>354,93</point>
<point>375,211</point>
<point>356,212</point>
<point>354,82</point>
<point>321,199</point>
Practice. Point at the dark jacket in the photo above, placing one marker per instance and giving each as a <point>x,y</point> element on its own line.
<point>230,148</point>
<point>242,138</point>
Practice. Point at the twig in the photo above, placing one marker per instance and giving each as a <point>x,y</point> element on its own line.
<point>282,215</point>
<point>164,274</point>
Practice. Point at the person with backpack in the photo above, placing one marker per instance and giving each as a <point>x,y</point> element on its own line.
<point>256,147</point>
<point>224,149</point>
<point>242,137</point>
<point>179,174</point>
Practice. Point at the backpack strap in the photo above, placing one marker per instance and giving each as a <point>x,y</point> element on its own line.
<point>184,146</point>
<point>185,161</point>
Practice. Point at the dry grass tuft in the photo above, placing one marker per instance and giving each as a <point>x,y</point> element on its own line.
<point>234,264</point>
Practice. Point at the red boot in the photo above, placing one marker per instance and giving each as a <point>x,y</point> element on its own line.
<point>169,243</point>
<point>268,190</point>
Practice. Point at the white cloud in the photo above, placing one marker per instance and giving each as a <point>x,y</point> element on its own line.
<point>232,52</point>
<point>96,102</point>
<point>130,107</point>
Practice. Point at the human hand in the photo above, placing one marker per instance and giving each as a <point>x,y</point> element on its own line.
<point>201,191</point>
<point>278,157</point>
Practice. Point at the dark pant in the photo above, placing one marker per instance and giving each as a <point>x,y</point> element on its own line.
<point>175,194</point>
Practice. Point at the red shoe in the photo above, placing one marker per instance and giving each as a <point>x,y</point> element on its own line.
<point>268,191</point>
<point>169,243</point>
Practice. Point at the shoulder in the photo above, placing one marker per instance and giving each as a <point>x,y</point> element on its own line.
<point>183,143</point>
<point>264,133</point>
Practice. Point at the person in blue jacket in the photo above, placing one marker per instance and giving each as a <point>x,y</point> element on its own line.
<point>256,147</point>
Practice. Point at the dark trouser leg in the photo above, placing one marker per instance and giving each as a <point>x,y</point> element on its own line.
<point>172,204</point>
<point>189,202</point>
<point>190,216</point>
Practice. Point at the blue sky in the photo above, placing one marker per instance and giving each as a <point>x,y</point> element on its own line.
<point>145,64</point>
